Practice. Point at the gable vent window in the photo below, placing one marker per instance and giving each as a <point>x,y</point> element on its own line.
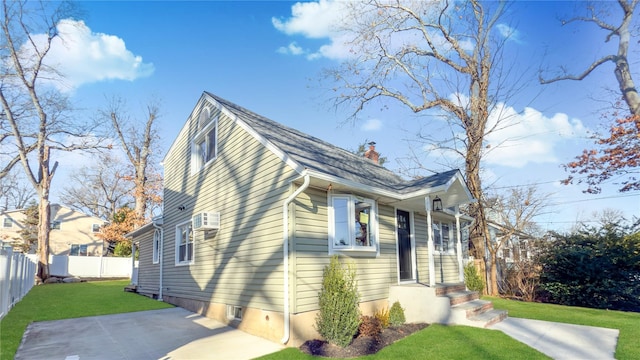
<point>204,148</point>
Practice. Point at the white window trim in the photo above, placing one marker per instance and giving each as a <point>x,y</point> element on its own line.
<point>373,250</point>
<point>156,246</point>
<point>177,245</point>
<point>211,123</point>
<point>7,221</point>
<point>96,231</point>
<point>452,239</point>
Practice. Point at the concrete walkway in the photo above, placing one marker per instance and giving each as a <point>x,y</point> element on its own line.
<point>179,334</point>
<point>157,334</point>
<point>562,341</point>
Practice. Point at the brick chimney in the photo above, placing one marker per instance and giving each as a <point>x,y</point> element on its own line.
<point>372,154</point>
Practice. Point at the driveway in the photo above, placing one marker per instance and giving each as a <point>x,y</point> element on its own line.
<point>157,334</point>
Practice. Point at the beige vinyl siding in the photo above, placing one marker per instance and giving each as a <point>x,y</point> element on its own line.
<point>148,272</point>
<point>241,263</point>
<point>422,248</point>
<point>311,254</point>
<point>446,268</point>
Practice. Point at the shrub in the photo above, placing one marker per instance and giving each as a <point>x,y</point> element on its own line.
<point>596,268</point>
<point>383,316</point>
<point>369,326</point>
<point>339,315</point>
<point>522,280</point>
<point>472,279</point>
<point>396,314</point>
<point>122,249</point>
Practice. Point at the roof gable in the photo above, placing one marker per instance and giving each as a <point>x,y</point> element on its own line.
<point>303,151</point>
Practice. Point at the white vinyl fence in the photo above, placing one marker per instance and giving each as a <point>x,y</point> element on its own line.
<point>90,266</point>
<point>17,277</point>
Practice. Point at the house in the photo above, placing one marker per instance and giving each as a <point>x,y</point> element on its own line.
<point>518,246</point>
<point>253,211</point>
<point>72,232</point>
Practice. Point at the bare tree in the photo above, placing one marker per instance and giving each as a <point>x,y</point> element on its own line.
<point>620,30</point>
<point>437,58</point>
<point>138,140</point>
<point>100,189</point>
<point>15,191</point>
<point>514,214</point>
<point>36,114</point>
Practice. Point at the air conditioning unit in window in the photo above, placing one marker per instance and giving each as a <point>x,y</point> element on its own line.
<point>206,221</point>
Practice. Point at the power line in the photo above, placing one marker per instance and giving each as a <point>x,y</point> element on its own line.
<point>594,199</point>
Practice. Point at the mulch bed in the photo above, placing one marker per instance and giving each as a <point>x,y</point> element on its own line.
<point>361,345</point>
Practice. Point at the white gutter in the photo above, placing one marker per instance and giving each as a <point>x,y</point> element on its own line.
<point>285,255</point>
<point>160,255</point>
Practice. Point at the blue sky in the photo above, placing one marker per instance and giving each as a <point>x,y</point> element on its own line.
<point>268,57</point>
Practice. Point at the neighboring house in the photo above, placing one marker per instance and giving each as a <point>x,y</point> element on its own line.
<point>72,232</point>
<point>253,211</point>
<point>517,247</point>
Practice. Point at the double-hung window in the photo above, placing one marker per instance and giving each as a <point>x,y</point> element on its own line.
<point>352,224</point>
<point>157,234</point>
<point>442,236</point>
<point>204,148</point>
<point>78,250</point>
<point>7,222</point>
<point>184,244</point>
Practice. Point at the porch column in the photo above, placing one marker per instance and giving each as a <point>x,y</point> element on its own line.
<point>430,246</point>
<point>459,246</point>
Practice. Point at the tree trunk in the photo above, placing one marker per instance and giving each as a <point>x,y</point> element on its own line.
<point>43,238</point>
<point>493,288</point>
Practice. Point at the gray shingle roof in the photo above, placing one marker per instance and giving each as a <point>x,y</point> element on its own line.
<point>323,157</point>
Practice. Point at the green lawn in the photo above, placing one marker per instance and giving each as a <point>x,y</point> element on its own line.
<point>442,342</point>
<point>460,342</point>
<point>65,301</point>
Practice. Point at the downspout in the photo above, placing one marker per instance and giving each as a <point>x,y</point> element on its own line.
<point>285,255</point>
<point>133,262</point>
<point>160,256</point>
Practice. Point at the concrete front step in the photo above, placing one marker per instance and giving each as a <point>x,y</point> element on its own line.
<point>467,308</point>
<point>488,318</point>
<point>474,307</point>
<point>460,297</point>
<point>444,289</point>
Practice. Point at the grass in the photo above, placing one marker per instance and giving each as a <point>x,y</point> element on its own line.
<point>460,342</point>
<point>442,342</point>
<point>627,322</point>
<point>66,301</point>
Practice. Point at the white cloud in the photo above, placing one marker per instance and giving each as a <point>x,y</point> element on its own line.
<point>372,125</point>
<point>527,137</point>
<point>333,20</point>
<point>292,49</point>
<point>312,19</point>
<point>508,32</point>
<point>84,57</point>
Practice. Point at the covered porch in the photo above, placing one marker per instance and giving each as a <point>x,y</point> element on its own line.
<point>432,233</point>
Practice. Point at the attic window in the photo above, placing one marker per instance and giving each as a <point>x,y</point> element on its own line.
<point>204,148</point>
